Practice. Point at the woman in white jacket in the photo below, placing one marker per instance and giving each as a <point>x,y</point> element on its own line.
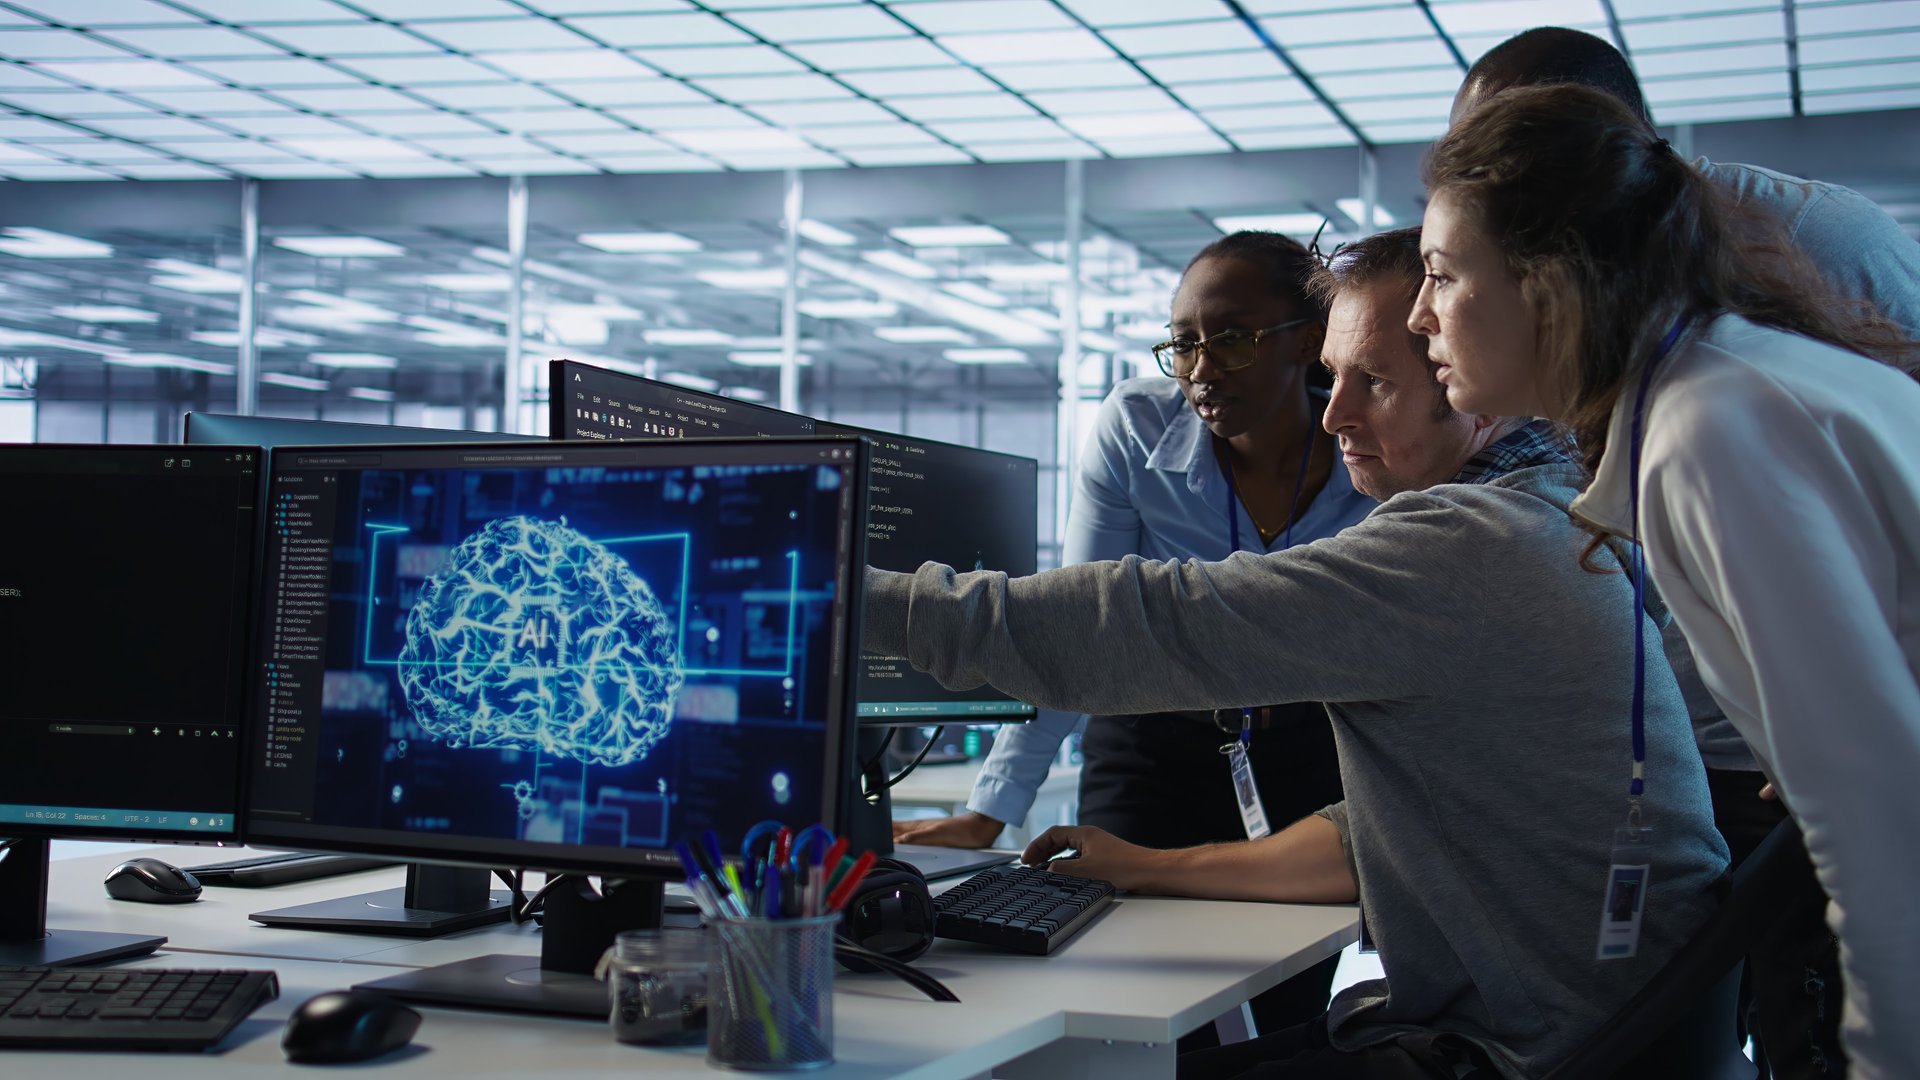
<point>1736,423</point>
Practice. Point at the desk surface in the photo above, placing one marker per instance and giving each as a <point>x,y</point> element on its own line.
<point>1144,973</point>
<point>940,785</point>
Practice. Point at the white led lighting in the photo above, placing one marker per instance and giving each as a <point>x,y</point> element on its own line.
<point>922,335</point>
<point>340,247</point>
<point>988,355</point>
<point>671,336</point>
<point>356,361</point>
<point>1290,224</point>
<point>900,264</point>
<point>294,382</point>
<point>107,313</point>
<point>920,236</point>
<point>849,309</point>
<point>42,244</point>
<point>822,233</point>
<point>629,243</point>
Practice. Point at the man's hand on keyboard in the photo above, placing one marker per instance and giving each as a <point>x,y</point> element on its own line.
<point>1101,856</point>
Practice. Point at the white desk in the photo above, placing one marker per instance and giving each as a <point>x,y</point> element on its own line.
<point>1109,1004</point>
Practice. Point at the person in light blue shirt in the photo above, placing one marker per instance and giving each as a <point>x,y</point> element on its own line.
<point>1224,452</point>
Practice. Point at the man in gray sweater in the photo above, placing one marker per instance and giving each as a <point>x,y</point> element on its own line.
<point>1480,682</point>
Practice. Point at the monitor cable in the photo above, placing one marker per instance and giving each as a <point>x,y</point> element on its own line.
<point>919,757</point>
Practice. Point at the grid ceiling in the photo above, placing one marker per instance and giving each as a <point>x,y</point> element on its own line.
<point>176,89</point>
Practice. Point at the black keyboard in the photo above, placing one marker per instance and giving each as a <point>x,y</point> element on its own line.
<point>1019,909</point>
<point>127,1008</point>
<point>282,868</point>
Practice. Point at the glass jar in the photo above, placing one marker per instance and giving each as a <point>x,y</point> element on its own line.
<point>657,986</point>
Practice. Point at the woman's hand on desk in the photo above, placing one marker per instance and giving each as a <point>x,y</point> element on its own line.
<point>1101,855</point>
<point>968,830</point>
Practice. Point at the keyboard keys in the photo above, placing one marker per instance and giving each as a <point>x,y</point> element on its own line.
<point>1019,909</point>
<point>142,1009</point>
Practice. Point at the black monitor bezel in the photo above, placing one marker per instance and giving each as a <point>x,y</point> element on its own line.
<point>238,695</point>
<point>316,431</point>
<point>538,855</point>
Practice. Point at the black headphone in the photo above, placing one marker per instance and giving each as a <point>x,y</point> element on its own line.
<point>891,913</point>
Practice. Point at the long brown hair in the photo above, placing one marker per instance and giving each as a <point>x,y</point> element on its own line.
<point>1613,237</point>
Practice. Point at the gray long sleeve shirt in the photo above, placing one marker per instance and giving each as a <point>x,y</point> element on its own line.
<point>1480,682</point>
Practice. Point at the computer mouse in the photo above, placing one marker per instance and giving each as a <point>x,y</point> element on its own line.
<point>348,1025</point>
<point>153,882</point>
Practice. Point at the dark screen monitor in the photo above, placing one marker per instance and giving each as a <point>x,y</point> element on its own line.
<point>270,431</point>
<point>124,610</point>
<point>929,501</point>
<point>563,657</point>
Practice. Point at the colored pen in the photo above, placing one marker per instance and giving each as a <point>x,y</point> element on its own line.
<point>844,891</point>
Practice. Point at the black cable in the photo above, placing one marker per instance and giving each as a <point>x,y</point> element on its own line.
<point>535,905</point>
<point>880,755</point>
<point>515,882</point>
<point>921,756</point>
<point>899,969</point>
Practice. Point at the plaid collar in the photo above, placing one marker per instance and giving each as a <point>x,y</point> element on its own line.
<point>1537,442</point>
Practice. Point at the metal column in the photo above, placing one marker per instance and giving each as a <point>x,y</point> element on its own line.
<point>247,374</point>
<point>790,300</point>
<point>1069,371</point>
<point>516,412</point>
<point>1369,189</point>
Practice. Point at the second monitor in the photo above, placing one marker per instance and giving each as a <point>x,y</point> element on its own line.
<point>929,501</point>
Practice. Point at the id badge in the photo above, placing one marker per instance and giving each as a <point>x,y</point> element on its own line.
<point>1247,793</point>
<point>1626,897</point>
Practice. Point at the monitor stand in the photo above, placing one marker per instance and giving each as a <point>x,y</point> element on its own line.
<point>437,900</point>
<point>579,926</point>
<point>24,937</point>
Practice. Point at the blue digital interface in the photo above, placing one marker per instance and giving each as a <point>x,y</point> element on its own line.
<point>607,656</point>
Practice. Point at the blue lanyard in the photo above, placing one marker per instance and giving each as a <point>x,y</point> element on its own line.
<point>1293,506</point>
<point>1638,785</point>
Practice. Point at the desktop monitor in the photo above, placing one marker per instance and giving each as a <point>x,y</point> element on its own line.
<point>270,431</point>
<point>124,610</point>
<point>929,501</point>
<point>563,657</point>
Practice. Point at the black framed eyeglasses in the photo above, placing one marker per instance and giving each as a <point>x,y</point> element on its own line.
<point>1230,349</point>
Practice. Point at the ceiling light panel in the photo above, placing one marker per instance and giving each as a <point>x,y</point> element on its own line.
<point>348,39</point>
<point>919,236</point>
<point>283,72</point>
<point>1200,142</point>
<point>1645,9</point>
<point>949,79</point>
<point>128,74</point>
<point>362,99</point>
<point>655,31</point>
<point>775,88</point>
<point>635,92</point>
<point>501,35</point>
<point>1404,131</point>
<point>838,56</point>
<point>340,247</point>
<point>988,355</point>
<point>1215,67</point>
<point>1037,47</point>
<point>719,60</point>
<point>1294,138</point>
<point>688,117</point>
<point>1665,92</point>
<point>1085,75</point>
<point>1753,26</point>
<point>400,10</point>
<point>1436,81</point>
<point>1380,110</point>
<point>1863,77</point>
<point>931,154</point>
<point>808,114</point>
<point>1856,18</point>
<point>289,124</point>
<point>608,142</point>
<point>76,103</point>
<point>962,107</point>
<point>1378,56</point>
<point>656,163</point>
<point>1862,48</point>
<point>739,140</point>
<point>193,42</point>
<point>822,233</point>
<point>1264,117</point>
<point>1655,65</point>
<point>1863,101</point>
<point>498,95</point>
<point>1294,224</point>
<point>1037,150</point>
<point>22,78</point>
<point>1513,16</point>
<point>1137,125</point>
<point>978,16</point>
<point>34,243</point>
<point>1106,13</point>
<point>846,22</point>
<point>52,44</point>
<point>1088,102</point>
<point>970,131</point>
<point>1255,92</point>
<point>571,65</point>
<point>626,243</point>
<point>1713,112</point>
<point>1342,26</point>
<point>1219,35</point>
<point>417,123</point>
<point>106,12</point>
<point>152,127</point>
<point>923,335</point>
<point>420,70</point>
<point>553,121</point>
<point>352,151</point>
<point>871,136</point>
<point>213,102</point>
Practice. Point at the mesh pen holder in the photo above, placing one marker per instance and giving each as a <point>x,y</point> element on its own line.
<point>770,995</point>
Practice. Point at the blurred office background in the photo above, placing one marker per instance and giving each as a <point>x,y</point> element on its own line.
<point>960,219</point>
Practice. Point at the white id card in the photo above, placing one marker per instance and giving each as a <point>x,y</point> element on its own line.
<point>1247,793</point>
<point>1626,896</point>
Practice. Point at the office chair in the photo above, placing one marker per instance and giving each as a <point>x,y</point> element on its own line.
<point>1681,1025</point>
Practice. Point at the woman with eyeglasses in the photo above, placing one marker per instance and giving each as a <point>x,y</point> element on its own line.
<point>1736,423</point>
<point>1224,452</point>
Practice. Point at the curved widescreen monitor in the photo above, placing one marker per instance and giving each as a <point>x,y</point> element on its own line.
<point>270,431</point>
<point>564,656</point>
<point>929,501</point>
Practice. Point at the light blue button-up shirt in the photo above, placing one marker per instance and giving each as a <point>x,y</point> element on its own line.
<point>1149,485</point>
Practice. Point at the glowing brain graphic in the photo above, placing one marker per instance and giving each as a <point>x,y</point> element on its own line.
<point>534,637</point>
